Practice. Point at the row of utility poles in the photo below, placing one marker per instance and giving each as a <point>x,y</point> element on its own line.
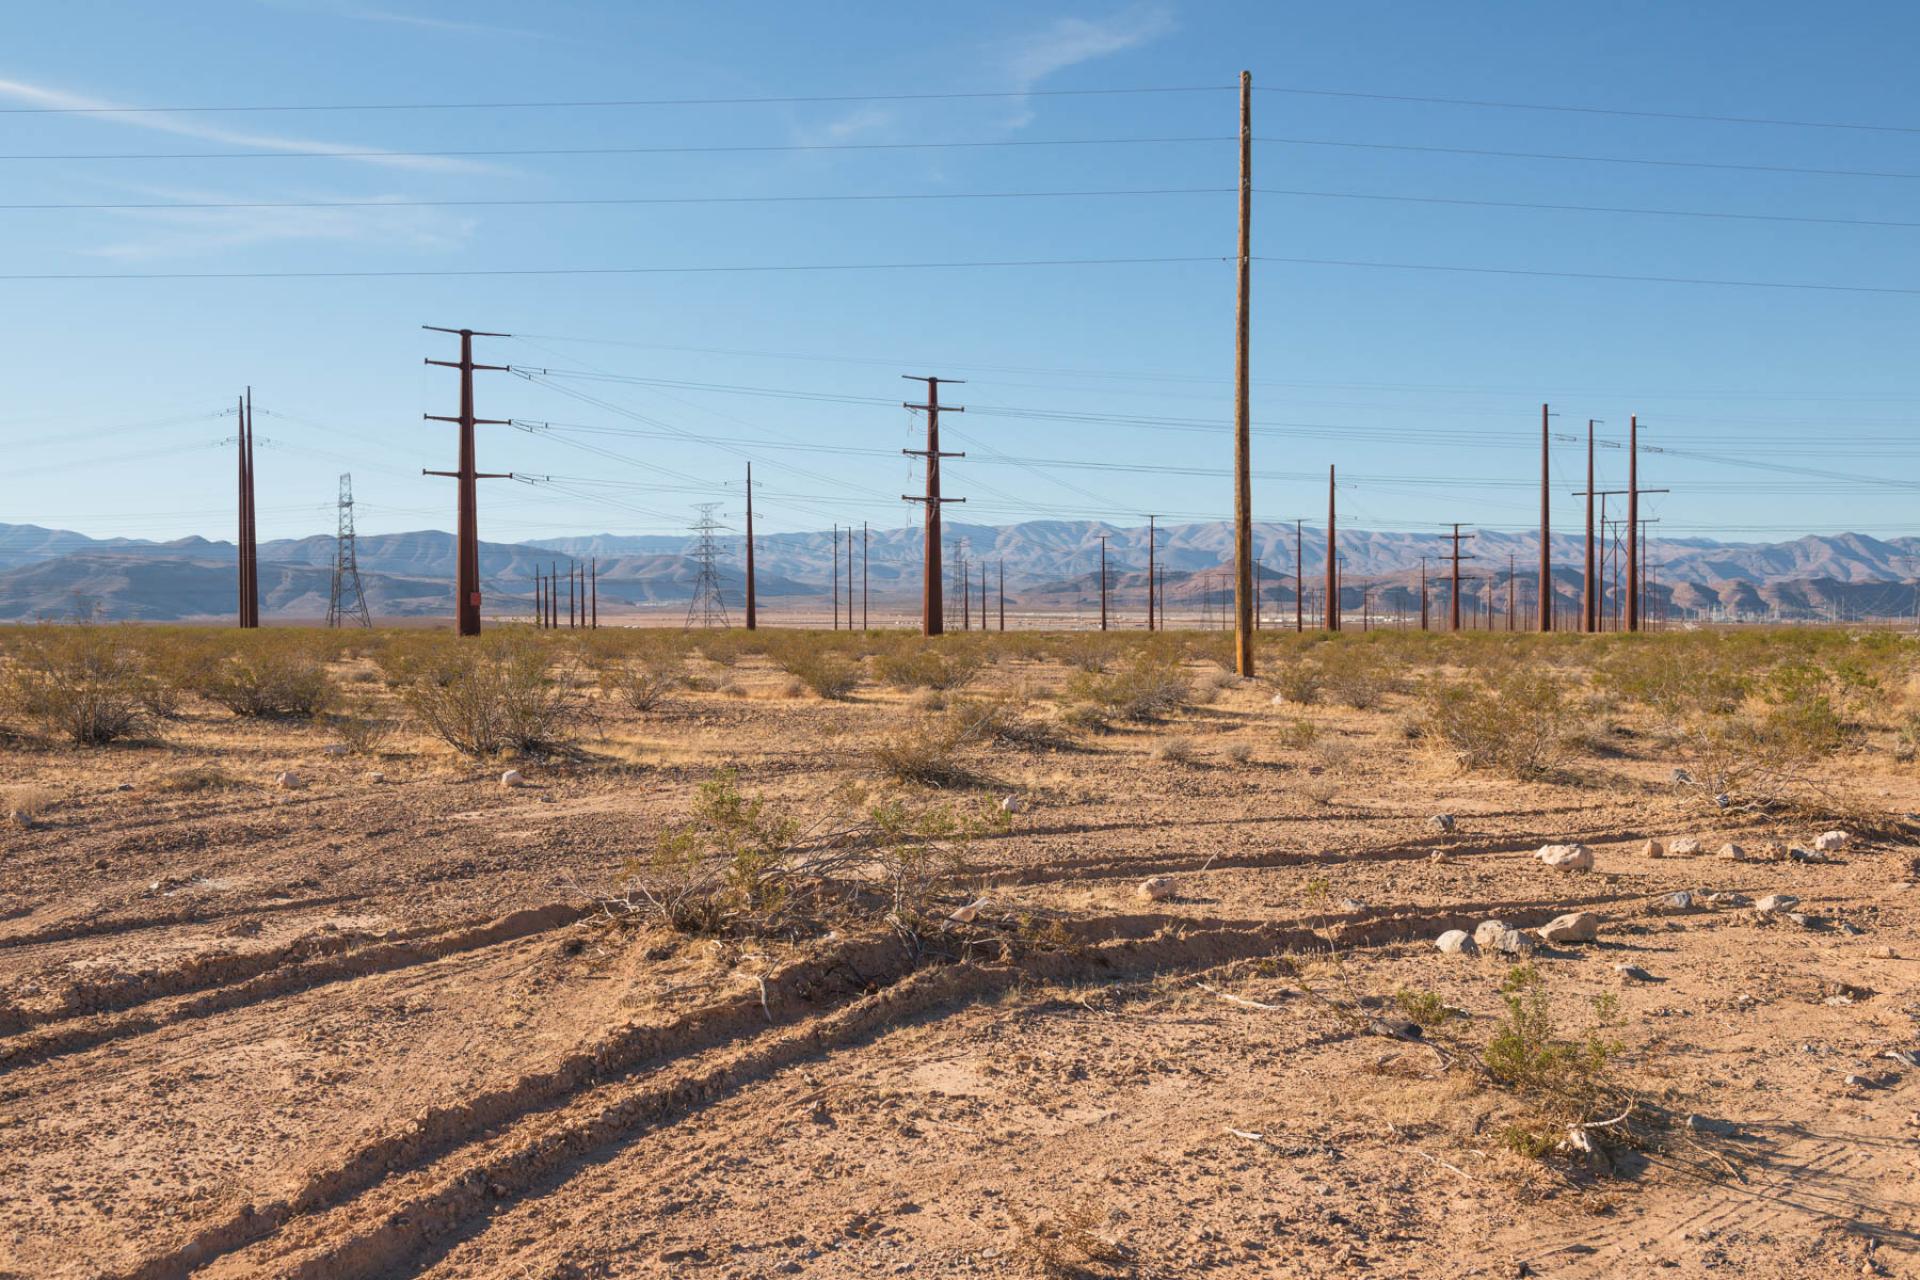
<point>583,593</point>
<point>583,596</point>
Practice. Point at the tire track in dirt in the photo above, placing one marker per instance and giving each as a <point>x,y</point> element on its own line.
<point>386,1204</point>
<point>72,929</point>
<point>1796,1187</point>
<point>260,976</point>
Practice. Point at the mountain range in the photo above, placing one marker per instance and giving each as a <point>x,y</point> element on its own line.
<point>1047,563</point>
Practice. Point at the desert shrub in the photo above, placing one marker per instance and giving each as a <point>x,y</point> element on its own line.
<point>1090,651</point>
<point>1357,675</point>
<point>926,666</point>
<point>1298,733</point>
<point>25,806</point>
<point>486,694</point>
<point>361,728</point>
<point>1516,721</point>
<point>1174,750</point>
<point>1297,681</point>
<point>1237,752</point>
<point>739,864</point>
<point>1150,687</point>
<point>828,673</point>
<point>1425,1009</point>
<point>1003,720</point>
<point>1569,1081</point>
<point>267,681</point>
<point>1674,680</point>
<point>193,780</point>
<point>86,683</point>
<point>925,753</point>
<point>643,683</point>
<point>1066,1244</point>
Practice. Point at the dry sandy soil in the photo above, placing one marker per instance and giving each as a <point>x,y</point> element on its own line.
<point>372,1028</point>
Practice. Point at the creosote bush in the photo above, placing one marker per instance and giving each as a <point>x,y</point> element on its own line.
<point>1149,688</point>
<point>741,865</point>
<point>643,683</point>
<point>484,694</point>
<point>828,673</point>
<point>1568,1081</point>
<point>86,683</point>
<point>1516,721</point>
<point>922,664</point>
<point>267,679</point>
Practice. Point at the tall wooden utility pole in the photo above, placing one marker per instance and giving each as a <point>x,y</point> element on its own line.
<point>467,571</point>
<point>1152,537</point>
<point>753,613</point>
<point>1423,593</point>
<point>1243,585</point>
<point>1511,624</point>
<point>836,577</point>
<point>1546,534</point>
<point>1453,605</point>
<point>1003,595</point>
<point>245,544</point>
<point>1332,608</point>
<point>932,620</point>
<point>1633,523</point>
<point>863,575</point>
<point>1103,582</point>
<point>594,564</point>
<point>1589,597</point>
<point>1299,577</point>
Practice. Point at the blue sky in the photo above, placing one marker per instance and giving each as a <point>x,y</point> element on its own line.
<point>1407,379</point>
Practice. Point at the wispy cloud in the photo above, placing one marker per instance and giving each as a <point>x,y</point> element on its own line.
<point>165,233</point>
<point>102,111</point>
<point>858,123</point>
<point>1067,42</point>
<point>454,25</point>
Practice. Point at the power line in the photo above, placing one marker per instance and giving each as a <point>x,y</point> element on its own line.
<point>631,200</point>
<point>600,271</point>
<point>960,95</point>
<point>1542,273</point>
<point>705,149</point>
<point>1430,149</point>
<point>509,105</point>
<point>1588,111</point>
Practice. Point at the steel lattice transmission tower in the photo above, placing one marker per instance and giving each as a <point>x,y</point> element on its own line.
<point>348,600</point>
<point>707,607</point>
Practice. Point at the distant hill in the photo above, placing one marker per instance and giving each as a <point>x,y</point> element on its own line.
<point>53,572</point>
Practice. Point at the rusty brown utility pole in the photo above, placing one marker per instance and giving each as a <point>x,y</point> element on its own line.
<point>836,577</point>
<point>1423,594</point>
<point>1103,582</point>
<point>1511,623</point>
<point>573,573</point>
<point>1589,597</point>
<point>1243,585</point>
<point>1332,608</point>
<point>467,568</point>
<point>1152,538</point>
<point>1546,533</point>
<point>932,621</point>
<point>1453,605</point>
<point>1633,523</point>
<point>753,600</point>
<point>863,575</point>
<point>1003,595</point>
<point>247,608</point>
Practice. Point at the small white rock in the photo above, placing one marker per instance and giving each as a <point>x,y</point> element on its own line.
<point>334,749</point>
<point>1567,857</point>
<point>512,778</point>
<point>1156,888</point>
<point>1456,942</point>
<point>288,781</point>
<point>1777,902</point>
<point>1732,852</point>
<point>1654,849</point>
<point>1684,847</point>
<point>1013,804</point>
<point>1681,901</point>
<point>968,913</point>
<point>376,776</point>
<point>1278,700</point>
<point>1443,821</point>
<point>1831,841</point>
<point>1581,926</point>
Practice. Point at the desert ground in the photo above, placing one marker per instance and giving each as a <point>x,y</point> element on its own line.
<point>1121,991</point>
